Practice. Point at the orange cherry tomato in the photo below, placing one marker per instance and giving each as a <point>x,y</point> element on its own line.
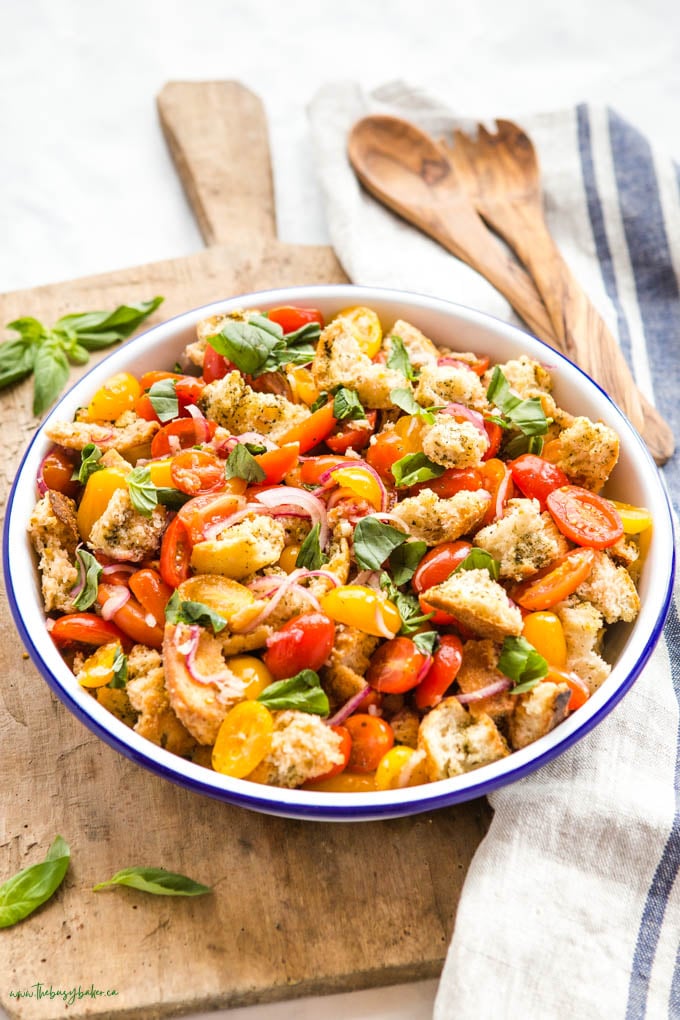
<point>151,592</point>
<point>556,581</point>
<point>584,517</point>
<point>312,470</point>
<point>580,692</point>
<point>372,737</point>
<point>132,619</point>
<point>57,469</point>
<point>396,666</point>
<point>352,434</point>
<point>436,566</point>
<point>188,389</point>
<point>313,430</point>
<point>196,472</point>
<point>86,629</point>
<point>175,553</point>
<point>149,379</point>
<point>203,512</point>
<point>345,748</point>
<point>536,477</point>
<point>291,318</point>
<point>305,642</point>
<point>446,662</point>
<point>276,464</point>
<point>452,481</point>
<point>185,432</point>
<point>496,479</point>
<point>393,444</point>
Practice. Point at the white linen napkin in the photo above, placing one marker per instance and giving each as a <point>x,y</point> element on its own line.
<point>571,907</point>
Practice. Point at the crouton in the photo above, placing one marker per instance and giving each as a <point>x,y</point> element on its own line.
<point>233,404</point>
<point>525,377</point>
<point>405,725</point>
<point>625,551</point>
<point>339,361</point>
<point>211,326</point>
<point>611,590</point>
<point>478,602</point>
<point>200,705</point>
<point>479,668</point>
<point>456,742</point>
<point>148,696</point>
<point>445,384</point>
<point>537,712</point>
<point>128,433</point>
<point>435,520</point>
<point>586,451</point>
<point>54,535</point>
<point>523,541</point>
<point>343,675</point>
<point>583,632</point>
<point>242,549</point>
<point>339,563</point>
<point>124,534</point>
<point>420,350</point>
<point>303,747</point>
<point>454,444</point>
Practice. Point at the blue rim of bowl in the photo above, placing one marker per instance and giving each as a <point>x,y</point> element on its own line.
<point>356,806</point>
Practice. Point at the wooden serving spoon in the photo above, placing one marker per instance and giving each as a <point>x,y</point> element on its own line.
<point>405,168</point>
<point>501,174</point>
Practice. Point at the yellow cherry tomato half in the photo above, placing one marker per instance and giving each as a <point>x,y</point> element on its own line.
<point>97,670</point>
<point>117,395</point>
<point>361,483</point>
<point>397,770</point>
<point>288,558</point>
<point>252,672</point>
<point>634,518</point>
<point>345,782</point>
<point>365,327</point>
<point>363,608</point>
<point>243,740</point>
<point>302,384</point>
<point>99,489</point>
<point>544,631</point>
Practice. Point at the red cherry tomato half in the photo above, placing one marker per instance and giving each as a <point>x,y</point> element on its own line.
<point>188,390</point>
<point>580,692</point>
<point>313,430</point>
<point>446,662</point>
<point>452,481</point>
<point>151,592</point>
<point>290,318</point>
<point>535,477</point>
<point>305,642</point>
<point>86,629</point>
<point>396,666</point>
<point>372,737</point>
<point>215,366</point>
<point>313,469</point>
<point>57,469</point>
<point>181,433</point>
<point>555,582</point>
<point>175,553</point>
<point>585,517</point>
<point>196,472</point>
<point>203,512</point>
<point>132,619</point>
<point>495,435</point>
<point>436,566</point>
<point>346,750</point>
<point>352,434</point>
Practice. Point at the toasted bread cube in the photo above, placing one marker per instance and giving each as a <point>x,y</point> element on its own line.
<point>478,602</point>
<point>149,697</point>
<point>537,712</point>
<point>479,669</point>
<point>446,384</point>
<point>343,674</point>
<point>420,349</point>
<point>124,534</point>
<point>454,444</point>
<point>339,361</point>
<point>523,540</point>
<point>456,741</point>
<point>611,590</point>
<point>53,532</point>
<point>405,726</point>
<point>587,452</point>
<point>303,747</point>
<point>583,632</point>
<point>525,377</point>
<point>128,433</point>
<point>232,403</point>
<point>435,520</point>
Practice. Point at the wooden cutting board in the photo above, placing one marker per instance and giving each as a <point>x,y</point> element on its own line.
<point>298,908</point>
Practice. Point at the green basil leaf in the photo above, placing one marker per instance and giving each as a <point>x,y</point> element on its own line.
<point>163,397</point>
<point>309,332</point>
<point>90,455</point>
<point>404,399</point>
<point>50,369</point>
<point>374,541</point>
<point>426,642</point>
<point>255,448</point>
<point>30,330</point>
<point>498,391</point>
<point>246,345</point>
<point>157,881</point>
<point>399,359</point>
<point>31,887</point>
<point>93,571</point>
<point>409,608</point>
<point>522,444</point>
<point>16,361</point>
<point>172,498</point>
<point>311,556</point>
<point>267,324</point>
<point>529,417</point>
<point>320,401</point>
<point>414,468</point>
<point>77,354</point>
<point>405,559</point>
<point>120,671</point>
<point>96,330</point>
<point>143,493</point>
<point>347,406</point>
<point>241,464</point>
<point>178,611</point>
<point>522,663</point>
<point>302,692</point>
<point>480,559</point>
<point>282,355</point>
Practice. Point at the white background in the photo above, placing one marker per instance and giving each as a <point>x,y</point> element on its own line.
<point>87,185</point>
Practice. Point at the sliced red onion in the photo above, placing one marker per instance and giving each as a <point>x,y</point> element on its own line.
<point>424,669</point>
<point>497,687</point>
<point>502,494</point>
<point>276,587</point>
<point>115,601</point>
<point>39,480</point>
<point>223,447</point>
<point>368,578</point>
<point>285,586</point>
<point>77,588</point>
<point>186,638</point>
<point>174,444</point>
<point>469,414</point>
<point>327,574</point>
<point>287,495</point>
<point>216,529</point>
<point>380,622</point>
<point>350,706</point>
<point>454,362</point>
<point>186,642</point>
<point>118,568</point>
<point>200,423</point>
<point>391,517</point>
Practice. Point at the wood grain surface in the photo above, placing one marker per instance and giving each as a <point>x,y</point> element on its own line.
<point>297,907</point>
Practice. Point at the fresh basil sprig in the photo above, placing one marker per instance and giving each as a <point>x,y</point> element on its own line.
<point>406,402</point>
<point>31,887</point>
<point>520,661</point>
<point>302,692</point>
<point>374,541</point>
<point>156,881</point>
<point>311,556</point>
<point>163,397</point>
<point>522,444</point>
<point>526,415</point>
<point>189,612</point>
<point>143,493</point>
<point>426,641</point>
<point>480,559</point>
<point>93,571</point>
<point>414,468</point>
<point>120,670</point>
<point>46,352</point>
<point>412,617</point>
<point>399,359</point>
<point>405,559</point>
<point>347,406</point>
<point>259,345</point>
<point>242,464</point>
<point>90,455</point>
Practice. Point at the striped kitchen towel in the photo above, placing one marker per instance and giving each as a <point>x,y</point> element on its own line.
<point>571,907</point>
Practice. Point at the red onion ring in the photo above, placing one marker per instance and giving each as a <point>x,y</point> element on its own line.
<point>115,602</point>
<point>118,568</point>
<point>468,414</point>
<point>424,669</point>
<point>230,687</point>
<point>350,706</point>
<point>454,363</point>
<point>215,529</point>
<point>289,494</point>
<point>200,423</point>
<point>497,687</point>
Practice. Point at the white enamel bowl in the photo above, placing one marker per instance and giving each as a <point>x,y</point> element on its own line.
<point>635,480</point>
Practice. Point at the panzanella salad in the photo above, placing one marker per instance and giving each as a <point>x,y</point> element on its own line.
<point>331,557</point>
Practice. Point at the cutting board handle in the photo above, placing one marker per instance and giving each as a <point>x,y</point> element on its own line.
<point>217,135</point>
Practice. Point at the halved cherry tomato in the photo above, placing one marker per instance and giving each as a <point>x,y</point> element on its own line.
<point>358,606</point>
<point>346,750</point>
<point>184,432</point>
<point>446,662</point>
<point>352,434</point>
<point>132,619</point>
<point>497,480</point>
<point>545,632</point>
<point>243,739</point>
<point>396,666</point>
<point>452,481</point>
<point>305,642</point>
<point>149,379</point>
<point>151,592</point>
<point>215,366</point>
<point>580,692</point>
<point>536,477</point>
<point>188,389</point>
<point>495,435</point>
<point>372,737</point>
<point>196,472</point>
<point>393,444</point>
<point>203,512</point>
<point>364,325</point>
<point>584,517</point>
<point>434,568</point>
<point>313,430</point>
<point>175,553</point>
<point>86,629</point>
<point>313,469</point>
<point>57,469</point>
<point>556,581</point>
<point>117,395</point>
<point>291,318</point>
<point>277,463</point>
